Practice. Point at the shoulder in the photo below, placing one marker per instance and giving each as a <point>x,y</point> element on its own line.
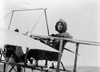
<point>67,35</point>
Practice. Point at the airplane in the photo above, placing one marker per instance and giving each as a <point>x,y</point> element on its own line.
<point>19,40</point>
<point>13,39</point>
<point>77,42</point>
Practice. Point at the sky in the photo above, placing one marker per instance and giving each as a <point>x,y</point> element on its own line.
<point>82,17</point>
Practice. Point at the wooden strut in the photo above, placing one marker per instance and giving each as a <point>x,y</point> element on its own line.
<point>46,21</point>
<point>70,40</point>
<point>33,67</point>
<point>12,68</point>
<point>75,61</point>
<point>29,9</point>
<point>60,55</point>
<point>13,64</point>
<point>4,68</point>
<point>47,29</point>
<point>25,62</point>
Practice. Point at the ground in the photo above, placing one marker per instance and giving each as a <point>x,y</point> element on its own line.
<point>79,69</point>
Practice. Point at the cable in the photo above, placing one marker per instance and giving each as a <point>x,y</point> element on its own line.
<point>36,22</point>
<point>5,16</point>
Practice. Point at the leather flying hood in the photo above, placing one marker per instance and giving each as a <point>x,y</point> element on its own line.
<point>64,24</point>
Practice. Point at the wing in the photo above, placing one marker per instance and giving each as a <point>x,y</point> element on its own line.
<point>14,38</point>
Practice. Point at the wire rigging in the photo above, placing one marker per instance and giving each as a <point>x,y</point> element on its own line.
<point>36,22</point>
<point>44,10</point>
<point>10,20</point>
<point>5,16</point>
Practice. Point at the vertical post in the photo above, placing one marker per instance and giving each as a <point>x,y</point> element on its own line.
<point>46,20</point>
<point>46,63</point>
<point>76,56</point>
<point>27,49</point>
<point>0,54</point>
<point>4,68</point>
<point>10,20</point>
<point>60,55</point>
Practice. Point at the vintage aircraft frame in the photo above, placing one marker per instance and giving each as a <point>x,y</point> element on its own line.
<point>77,42</point>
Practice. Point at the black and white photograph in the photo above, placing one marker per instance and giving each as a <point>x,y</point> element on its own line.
<point>49,36</point>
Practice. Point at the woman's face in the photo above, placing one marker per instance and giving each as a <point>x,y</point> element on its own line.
<point>60,26</point>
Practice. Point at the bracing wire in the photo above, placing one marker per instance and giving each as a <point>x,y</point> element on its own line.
<point>36,22</point>
<point>10,20</point>
<point>5,16</point>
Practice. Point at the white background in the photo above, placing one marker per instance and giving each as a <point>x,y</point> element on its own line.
<point>82,17</point>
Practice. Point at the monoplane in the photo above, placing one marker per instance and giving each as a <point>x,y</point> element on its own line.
<point>15,42</point>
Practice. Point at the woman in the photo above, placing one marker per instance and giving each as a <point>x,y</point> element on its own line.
<point>61,28</point>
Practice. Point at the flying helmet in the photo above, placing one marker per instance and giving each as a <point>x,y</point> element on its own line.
<point>64,24</point>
